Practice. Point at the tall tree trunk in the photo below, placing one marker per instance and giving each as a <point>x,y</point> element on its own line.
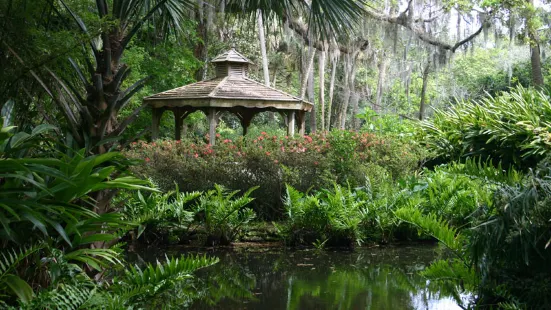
<point>422,105</point>
<point>334,60</point>
<point>355,100</point>
<point>380,83</point>
<point>321,100</point>
<point>262,40</point>
<point>535,59</point>
<point>309,66</point>
<point>535,53</point>
<point>265,68</point>
<point>311,98</point>
<point>350,84</point>
<point>200,51</point>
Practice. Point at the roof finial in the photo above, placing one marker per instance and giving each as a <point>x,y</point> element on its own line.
<point>233,46</point>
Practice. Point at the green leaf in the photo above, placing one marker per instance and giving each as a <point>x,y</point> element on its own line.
<point>19,287</point>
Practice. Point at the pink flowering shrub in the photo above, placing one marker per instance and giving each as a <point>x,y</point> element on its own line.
<point>308,162</point>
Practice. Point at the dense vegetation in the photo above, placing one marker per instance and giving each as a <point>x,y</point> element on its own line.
<point>80,178</point>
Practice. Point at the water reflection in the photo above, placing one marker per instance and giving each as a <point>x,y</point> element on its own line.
<point>264,278</point>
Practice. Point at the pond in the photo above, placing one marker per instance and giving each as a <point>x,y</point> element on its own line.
<point>280,278</point>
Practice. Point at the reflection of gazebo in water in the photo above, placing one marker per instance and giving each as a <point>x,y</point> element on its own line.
<point>231,90</point>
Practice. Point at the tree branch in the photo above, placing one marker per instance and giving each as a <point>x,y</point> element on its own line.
<point>302,31</point>
<point>420,32</point>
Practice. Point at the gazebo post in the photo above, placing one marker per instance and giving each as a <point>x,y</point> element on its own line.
<point>246,117</point>
<point>291,123</point>
<point>178,123</point>
<point>302,122</point>
<point>212,125</point>
<point>155,122</point>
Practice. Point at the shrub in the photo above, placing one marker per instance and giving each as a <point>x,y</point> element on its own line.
<point>510,243</point>
<point>331,217</point>
<point>512,128</point>
<point>222,215</point>
<point>271,161</point>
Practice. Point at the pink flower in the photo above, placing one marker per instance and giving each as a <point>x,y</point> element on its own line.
<point>196,155</point>
<point>147,159</point>
<point>268,153</point>
<point>263,133</point>
<point>217,135</point>
<point>276,161</point>
<point>260,146</point>
<point>316,163</point>
<point>283,149</point>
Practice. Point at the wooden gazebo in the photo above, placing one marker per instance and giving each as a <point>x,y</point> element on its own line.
<point>231,90</point>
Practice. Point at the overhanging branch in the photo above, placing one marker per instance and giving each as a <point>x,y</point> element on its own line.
<point>302,31</point>
<point>419,31</point>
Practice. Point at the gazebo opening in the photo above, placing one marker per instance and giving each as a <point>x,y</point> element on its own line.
<point>231,90</point>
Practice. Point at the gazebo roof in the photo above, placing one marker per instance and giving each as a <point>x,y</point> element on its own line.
<point>231,88</point>
<point>231,56</point>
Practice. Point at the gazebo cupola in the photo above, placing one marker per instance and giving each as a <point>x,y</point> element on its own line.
<point>231,63</point>
<point>231,90</point>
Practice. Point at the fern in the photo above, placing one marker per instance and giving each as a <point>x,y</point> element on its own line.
<point>433,226</point>
<point>67,297</point>
<point>9,261</point>
<point>137,284</point>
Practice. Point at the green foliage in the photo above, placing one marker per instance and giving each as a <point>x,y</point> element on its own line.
<point>434,226</point>
<point>333,216</point>
<point>510,243</point>
<point>49,224</point>
<point>271,161</point>
<point>143,286</point>
<point>156,211</point>
<point>512,128</point>
<point>222,215</point>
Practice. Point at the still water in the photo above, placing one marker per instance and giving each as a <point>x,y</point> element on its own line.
<point>279,278</point>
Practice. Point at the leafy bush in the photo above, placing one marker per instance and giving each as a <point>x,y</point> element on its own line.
<point>331,217</point>
<point>503,258</point>
<point>57,251</point>
<point>222,215</point>
<point>158,214</point>
<point>272,161</point>
<point>510,243</point>
<point>513,128</point>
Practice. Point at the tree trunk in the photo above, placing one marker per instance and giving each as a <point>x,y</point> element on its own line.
<point>535,53</point>
<point>200,51</point>
<point>535,59</point>
<point>380,83</point>
<point>311,98</point>
<point>350,84</point>
<point>265,68</point>
<point>262,39</point>
<point>422,105</point>
<point>321,100</point>
<point>334,61</point>
<point>355,100</point>
<point>306,73</point>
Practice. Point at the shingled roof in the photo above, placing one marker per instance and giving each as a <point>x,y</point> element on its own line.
<point>231,56</point>
<point>230,88</point>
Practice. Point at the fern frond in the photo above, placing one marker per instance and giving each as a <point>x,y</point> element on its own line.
<point>433,226</point>
<point>173,268</point>
<point>10,258</point>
